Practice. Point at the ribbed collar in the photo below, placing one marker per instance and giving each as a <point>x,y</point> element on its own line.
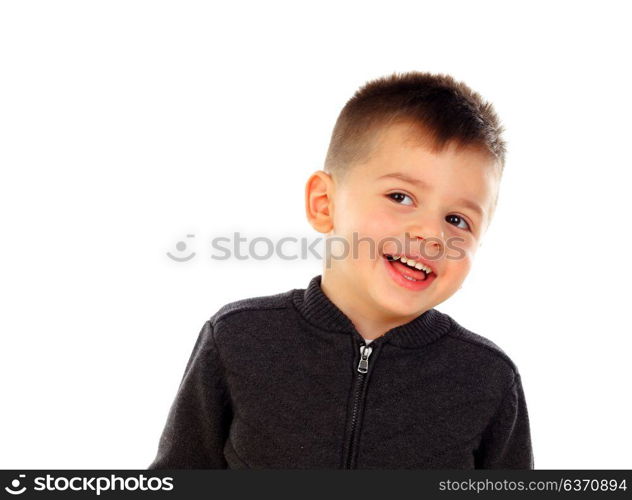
<point>318,309</point>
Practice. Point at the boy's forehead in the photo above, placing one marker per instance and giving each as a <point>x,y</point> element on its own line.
<point>406,137</point>
<point>403,147</point>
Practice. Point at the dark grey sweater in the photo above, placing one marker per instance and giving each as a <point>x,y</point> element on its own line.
<point>285,382</point>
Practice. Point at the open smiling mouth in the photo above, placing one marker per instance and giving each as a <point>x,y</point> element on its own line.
<point>409,273</point>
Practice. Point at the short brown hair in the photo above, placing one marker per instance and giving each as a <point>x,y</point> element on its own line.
<point>445,109</point>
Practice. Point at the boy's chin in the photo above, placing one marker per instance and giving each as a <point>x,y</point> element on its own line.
<point>405,307</point>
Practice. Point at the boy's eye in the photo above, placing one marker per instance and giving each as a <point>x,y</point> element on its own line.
<point>451,218</point>
<point>398,196</point>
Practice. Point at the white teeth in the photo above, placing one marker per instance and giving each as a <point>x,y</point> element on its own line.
<point>412,263</point>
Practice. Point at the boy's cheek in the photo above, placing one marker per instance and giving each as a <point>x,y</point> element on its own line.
<point>353,220</point>
<point>459,267</point>
<point>376,227</point>
<point>459,248</point>
<point>381,225</point>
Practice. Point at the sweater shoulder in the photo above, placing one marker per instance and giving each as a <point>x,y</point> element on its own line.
<point>251,307</point>
<point>482,348</point>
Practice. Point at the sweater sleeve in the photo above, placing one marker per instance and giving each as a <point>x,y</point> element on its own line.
<point>199,418</point>
<point>506,442</point>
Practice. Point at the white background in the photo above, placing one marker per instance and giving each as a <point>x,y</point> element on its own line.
<point>126,125</point>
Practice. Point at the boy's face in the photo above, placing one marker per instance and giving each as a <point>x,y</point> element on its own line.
<point>402,217</point>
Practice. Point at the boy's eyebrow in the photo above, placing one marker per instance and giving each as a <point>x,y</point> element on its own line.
<point>472,205</point>
<point>406,178</point>
<point>424,185</point>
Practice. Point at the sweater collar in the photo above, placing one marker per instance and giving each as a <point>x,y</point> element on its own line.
<point>318,309</point>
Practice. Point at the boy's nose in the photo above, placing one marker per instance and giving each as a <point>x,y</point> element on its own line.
<point>429,235</point>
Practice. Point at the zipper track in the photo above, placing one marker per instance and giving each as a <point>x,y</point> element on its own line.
<point>363,365</point>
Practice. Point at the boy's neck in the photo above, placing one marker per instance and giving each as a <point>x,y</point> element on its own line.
<point>368,321</point>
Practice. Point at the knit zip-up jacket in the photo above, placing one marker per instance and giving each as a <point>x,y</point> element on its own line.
<point>285,381</point>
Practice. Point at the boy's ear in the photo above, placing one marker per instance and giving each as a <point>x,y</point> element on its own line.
<point>319,191</point>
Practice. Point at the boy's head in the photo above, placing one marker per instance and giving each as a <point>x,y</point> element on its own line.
<point>413,168</point>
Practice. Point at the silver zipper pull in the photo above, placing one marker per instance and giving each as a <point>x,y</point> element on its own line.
<point>365,352</point>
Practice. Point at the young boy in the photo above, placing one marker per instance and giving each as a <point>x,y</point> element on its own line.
<point>359,370</point>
